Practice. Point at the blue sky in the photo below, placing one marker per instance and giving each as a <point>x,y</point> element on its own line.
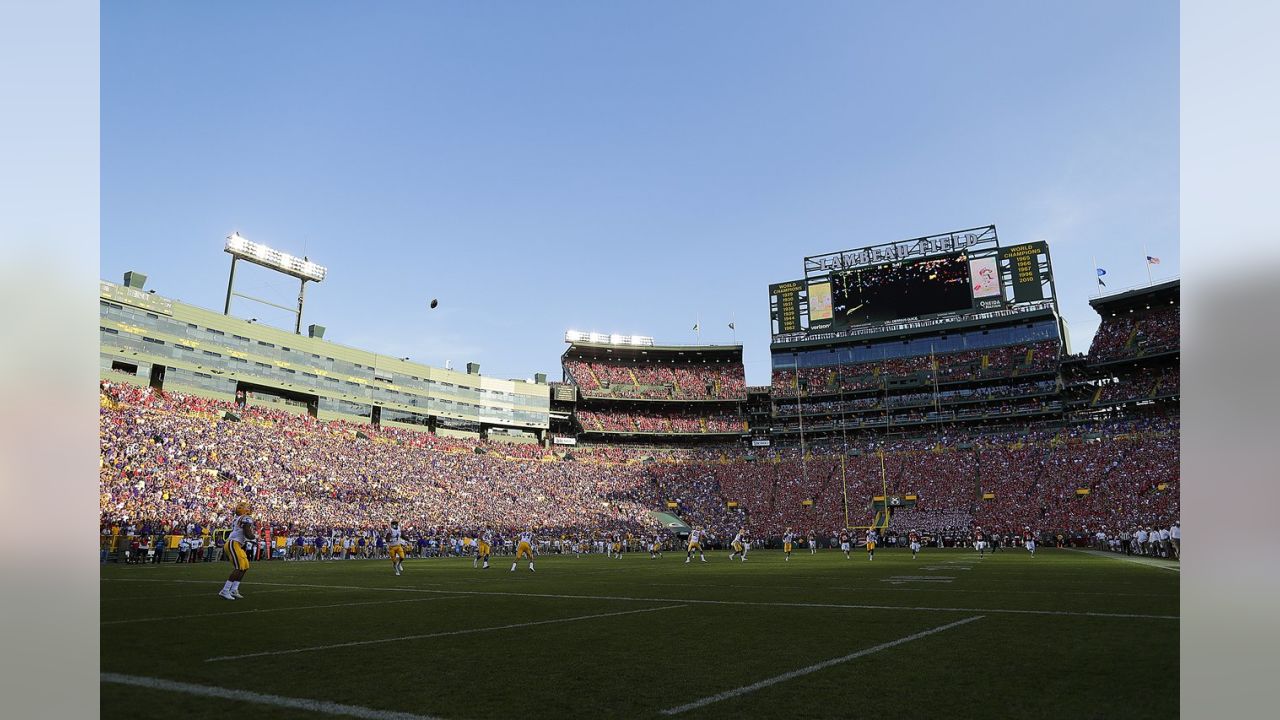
<point>621,167</point>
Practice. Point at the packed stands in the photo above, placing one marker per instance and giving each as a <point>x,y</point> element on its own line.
<point>658,380</point>
<point>169,460</point>
<point>969,365</point>
<point>1129,335</point>
<point>668,420</point>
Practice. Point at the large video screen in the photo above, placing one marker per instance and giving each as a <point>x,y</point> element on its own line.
<point>884,293</point>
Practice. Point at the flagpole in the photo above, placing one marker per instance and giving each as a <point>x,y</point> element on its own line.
<point>1147,259</point>
<point>1096,276</point>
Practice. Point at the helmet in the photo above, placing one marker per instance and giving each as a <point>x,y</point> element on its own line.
<point>395,523</point>
<point>242,508</point>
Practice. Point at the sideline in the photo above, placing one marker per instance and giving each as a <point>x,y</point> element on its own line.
<point>697,601</point>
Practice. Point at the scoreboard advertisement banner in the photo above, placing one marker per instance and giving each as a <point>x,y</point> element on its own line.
<point>984,274</point>
<point>819,301</point>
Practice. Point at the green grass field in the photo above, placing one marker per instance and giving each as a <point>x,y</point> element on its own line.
<point>1064,635</point>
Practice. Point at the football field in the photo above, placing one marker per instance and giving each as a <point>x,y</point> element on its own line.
<point>1067,634</point>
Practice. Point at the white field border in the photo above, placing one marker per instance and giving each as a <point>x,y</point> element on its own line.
<point>699,601</point>
<point>1159,563</point>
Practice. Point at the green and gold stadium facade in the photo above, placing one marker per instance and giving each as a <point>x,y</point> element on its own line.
<point>145,337</point>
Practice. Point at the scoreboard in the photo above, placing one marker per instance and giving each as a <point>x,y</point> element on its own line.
<point>911,284</point>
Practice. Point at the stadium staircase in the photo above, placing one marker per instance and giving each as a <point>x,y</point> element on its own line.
<point>702,423</point>
<point>595,377</point>
<point>1097,395</point>
<point>632,373</point>
<point>881,520</point>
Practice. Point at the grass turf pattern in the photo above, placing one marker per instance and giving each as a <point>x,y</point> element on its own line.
<point>1065,634</point>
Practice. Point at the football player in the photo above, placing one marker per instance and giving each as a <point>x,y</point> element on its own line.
<point>980,541</point>
<point>813,543</point>
<point>786,545</point>
<point>844,543</point>
<point>872,536</point>
<point>695,543</point>
<point>395,546</point>
<point>1029,540</point>
<point>655,548</point>
<point>914,538</point>
<point>524,549</point>
<point>241,532</point>
<point>484,546</point>
<point>739,548</point>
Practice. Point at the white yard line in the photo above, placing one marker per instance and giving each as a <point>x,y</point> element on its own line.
<point>745,689</point>
<point>312,706</point>
<point>187,595</point>
<point>440,634</point>
<point>757,603</point>
<point>1139,560</point>
<point>274,609</point>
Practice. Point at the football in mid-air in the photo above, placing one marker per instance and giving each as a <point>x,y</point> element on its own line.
<point>434,303</point>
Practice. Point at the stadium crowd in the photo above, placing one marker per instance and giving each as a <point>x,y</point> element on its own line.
<point>171,462</point>
<point>658,380</point>
<point>1135,334</point>
<point>963,366</point>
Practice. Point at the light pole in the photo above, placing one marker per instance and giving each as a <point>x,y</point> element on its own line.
<point>301,268</point>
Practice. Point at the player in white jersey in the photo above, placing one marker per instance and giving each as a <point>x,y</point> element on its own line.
<point>524,549</point>
<point>395,546</point>
<point>813,542</point>
<point>786,544</point>
<point>695,543</point>
<point>241,532</point>
<point>739,545</point>
<point>872,538</point>
<point>655,548</point>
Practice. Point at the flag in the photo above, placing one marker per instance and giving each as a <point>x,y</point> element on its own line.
<point>695,327</point>
<point>1101,283</point>
<point>731,327</point>
<point>1153,260</point>
<point>1101,272</point>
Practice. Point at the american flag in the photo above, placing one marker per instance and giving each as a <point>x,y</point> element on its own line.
<point>1153,260</point>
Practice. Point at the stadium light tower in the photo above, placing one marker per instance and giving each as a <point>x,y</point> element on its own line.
<point>241,249</point>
